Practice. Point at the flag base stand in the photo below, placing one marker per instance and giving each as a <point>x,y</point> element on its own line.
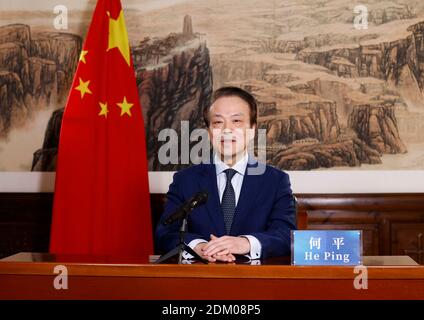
<point>178,250</point>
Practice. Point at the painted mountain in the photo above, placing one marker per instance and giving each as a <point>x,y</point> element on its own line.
<point>330,96</point>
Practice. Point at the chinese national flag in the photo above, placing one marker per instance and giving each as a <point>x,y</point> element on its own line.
<point>101,202</point>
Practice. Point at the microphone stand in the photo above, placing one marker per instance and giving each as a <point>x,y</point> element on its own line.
<point>180,248</point>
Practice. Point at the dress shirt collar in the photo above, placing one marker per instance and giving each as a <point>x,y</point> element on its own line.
<point>240,166</point>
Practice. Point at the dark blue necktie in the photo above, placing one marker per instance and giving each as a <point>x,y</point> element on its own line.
<point>228,203</point>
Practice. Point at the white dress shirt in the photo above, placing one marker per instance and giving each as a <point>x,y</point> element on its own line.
<point>237,182</point>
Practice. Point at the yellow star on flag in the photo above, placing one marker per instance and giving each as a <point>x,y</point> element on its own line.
<point>104,110</point>
<point>83,87</point>
<point>125,107</point>
<point>118,36</point>
<point>82,56</point>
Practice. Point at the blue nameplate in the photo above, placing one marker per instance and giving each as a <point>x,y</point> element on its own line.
<point>326,248</point>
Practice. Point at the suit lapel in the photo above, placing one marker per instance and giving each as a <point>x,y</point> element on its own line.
<point>249,190</point>
<point>208,183</point>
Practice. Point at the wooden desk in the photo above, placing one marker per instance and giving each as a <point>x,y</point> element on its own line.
<point>31,276</point>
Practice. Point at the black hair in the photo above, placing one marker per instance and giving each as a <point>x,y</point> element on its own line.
<point>234,92</point>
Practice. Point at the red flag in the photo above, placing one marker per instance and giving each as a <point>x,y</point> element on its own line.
<point>101,202</point>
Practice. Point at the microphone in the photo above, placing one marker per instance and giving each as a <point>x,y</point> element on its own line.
<point>197,200</point>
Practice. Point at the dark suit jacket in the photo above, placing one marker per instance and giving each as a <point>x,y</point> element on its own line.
<point>265,209</point>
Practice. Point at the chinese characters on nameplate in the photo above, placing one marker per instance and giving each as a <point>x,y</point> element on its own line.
<point>329,247</point>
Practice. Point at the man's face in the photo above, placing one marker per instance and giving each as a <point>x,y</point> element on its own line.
<point>229,121</point>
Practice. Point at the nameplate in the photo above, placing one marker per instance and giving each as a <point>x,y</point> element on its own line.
<point>326,247</point>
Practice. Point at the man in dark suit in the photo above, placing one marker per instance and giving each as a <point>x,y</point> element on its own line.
<point>246,213</point>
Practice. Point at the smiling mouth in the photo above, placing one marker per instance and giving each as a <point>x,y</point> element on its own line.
<point>225,140</point>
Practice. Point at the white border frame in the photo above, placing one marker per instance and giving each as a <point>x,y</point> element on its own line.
<point>355,181</point>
